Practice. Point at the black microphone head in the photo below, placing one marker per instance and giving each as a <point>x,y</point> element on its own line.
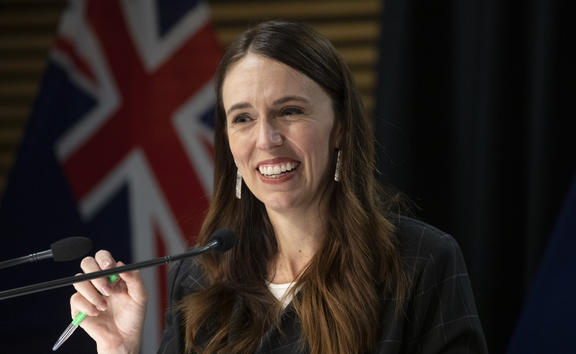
<point>225,239</point>
<point>70,248</point>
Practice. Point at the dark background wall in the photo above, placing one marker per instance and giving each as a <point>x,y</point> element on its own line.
<point>474,118</point>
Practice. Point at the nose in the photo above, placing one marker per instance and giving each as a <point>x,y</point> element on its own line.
<point>268,135</point>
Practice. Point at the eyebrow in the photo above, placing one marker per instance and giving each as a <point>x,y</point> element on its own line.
<point>288,99</point>
<point>237,106</point>
<point>282,100</point>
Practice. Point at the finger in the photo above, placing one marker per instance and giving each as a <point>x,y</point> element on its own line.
<point>134,285</point>
<point>90,294</point>
<point>90,265</point>
<point>105,261</point>
<point>79,303</point>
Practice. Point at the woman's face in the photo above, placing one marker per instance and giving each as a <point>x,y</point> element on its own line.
<point>279,124</point>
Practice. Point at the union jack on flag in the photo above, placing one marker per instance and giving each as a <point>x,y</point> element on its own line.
<point>119,145</point>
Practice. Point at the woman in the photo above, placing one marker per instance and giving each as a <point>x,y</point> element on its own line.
<point>318,265</point>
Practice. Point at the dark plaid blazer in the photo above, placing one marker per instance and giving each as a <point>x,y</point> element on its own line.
<point>439,315</point>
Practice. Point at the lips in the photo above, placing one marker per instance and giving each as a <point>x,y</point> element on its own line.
<point>277,168</point>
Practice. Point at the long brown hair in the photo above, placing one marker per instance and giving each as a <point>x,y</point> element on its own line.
<point>340,292</point>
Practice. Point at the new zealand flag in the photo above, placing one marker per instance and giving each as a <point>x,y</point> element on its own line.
<point>118,149</point>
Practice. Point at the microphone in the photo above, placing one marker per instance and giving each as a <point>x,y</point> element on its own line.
<point>222,240</point>
<point>63,250</point>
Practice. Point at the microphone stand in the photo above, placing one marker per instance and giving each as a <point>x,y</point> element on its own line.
<point>31,258</point>
<point>58,283</point>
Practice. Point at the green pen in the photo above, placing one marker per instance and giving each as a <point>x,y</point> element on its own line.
<point>76,321</point>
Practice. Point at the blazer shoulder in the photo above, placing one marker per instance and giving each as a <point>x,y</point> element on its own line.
<point>184,277</point>
<point>413,233</point>
<point>422,244</point>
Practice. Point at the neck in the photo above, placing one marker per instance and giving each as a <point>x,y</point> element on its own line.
<point>299,236</point>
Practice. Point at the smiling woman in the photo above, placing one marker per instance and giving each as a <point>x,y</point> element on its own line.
<point>320,265</point>
<point>279,128</point>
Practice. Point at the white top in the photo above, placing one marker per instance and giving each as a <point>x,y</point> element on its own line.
<point>281,292</point>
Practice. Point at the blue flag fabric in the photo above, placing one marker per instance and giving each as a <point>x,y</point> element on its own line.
<point>118,149</point>
<point>547,322</point>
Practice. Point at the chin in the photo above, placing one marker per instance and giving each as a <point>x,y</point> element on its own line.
<point>279,205</point>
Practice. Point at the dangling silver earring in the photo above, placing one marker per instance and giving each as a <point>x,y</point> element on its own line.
<point>238,184</point>
<point>338,167</point>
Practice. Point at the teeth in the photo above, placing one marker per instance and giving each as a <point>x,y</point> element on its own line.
<point>277,169</point>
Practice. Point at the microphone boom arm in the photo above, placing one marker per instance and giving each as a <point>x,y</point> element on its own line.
<point>34,257</point>
<point>58,283</point>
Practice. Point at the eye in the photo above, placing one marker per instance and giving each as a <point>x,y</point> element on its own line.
<point>241,118</point>
<point>291,111</point>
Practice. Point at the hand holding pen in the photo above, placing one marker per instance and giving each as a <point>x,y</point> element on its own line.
<point>73,326</point>
<point>114,312</point>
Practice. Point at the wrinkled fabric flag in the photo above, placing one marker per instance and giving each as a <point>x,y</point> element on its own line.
<point>118,148</point>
